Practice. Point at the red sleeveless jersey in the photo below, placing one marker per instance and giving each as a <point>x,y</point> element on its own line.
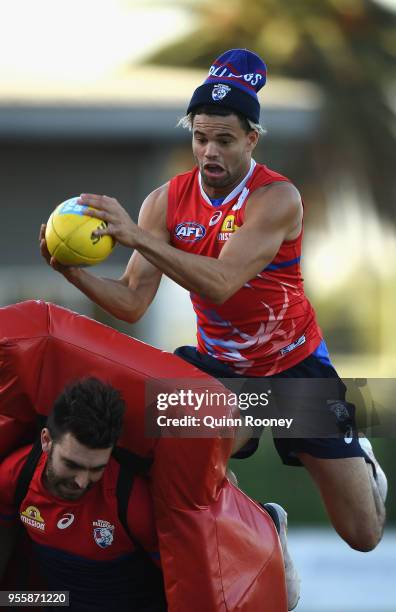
<point>268,325</point>
<point>81,546</point>
<point>78,526</point>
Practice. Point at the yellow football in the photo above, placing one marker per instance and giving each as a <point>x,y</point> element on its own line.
<point>69,236</point>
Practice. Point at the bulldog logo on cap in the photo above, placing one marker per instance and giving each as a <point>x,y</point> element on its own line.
<point>220,91</point>
<point>235,77</point>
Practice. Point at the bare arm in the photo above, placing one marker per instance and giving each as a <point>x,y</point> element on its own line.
<point>273,214</point>
<point>128,297</point>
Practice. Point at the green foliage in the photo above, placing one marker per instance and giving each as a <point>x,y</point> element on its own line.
<point>331,42</point>
<point>348,47</point>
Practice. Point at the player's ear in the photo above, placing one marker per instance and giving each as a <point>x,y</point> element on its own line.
<point>252,139</point>
<point>46,440</point>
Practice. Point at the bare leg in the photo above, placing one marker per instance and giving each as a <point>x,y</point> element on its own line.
<point>351,497</point>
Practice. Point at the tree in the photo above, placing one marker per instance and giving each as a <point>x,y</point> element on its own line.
<point>348,47</point>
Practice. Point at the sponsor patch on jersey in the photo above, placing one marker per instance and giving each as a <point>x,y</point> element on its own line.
<point>65,521</point>
<point>189,231</point>
<point>292,346</point>
<point>227,229</point>
<point>103,533</point>
<point>220,91</point>
<point>216,217</point>
<point>32,517</point>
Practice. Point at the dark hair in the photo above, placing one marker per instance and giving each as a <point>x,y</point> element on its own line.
<point>89,409</point>
<point>221,111</point>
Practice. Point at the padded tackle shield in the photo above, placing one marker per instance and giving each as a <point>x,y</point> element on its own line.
<point>219,549</point>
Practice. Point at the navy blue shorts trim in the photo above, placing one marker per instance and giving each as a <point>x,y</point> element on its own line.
<point>288,448</point>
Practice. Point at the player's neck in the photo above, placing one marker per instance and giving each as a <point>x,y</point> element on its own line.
<point>46,483</point>
<point>230,191</point>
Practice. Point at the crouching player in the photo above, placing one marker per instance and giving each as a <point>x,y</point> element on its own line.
<point>86,537</point>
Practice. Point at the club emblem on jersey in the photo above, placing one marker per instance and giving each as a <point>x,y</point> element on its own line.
<point>190,231</point>
<point>215,218</point>
<point>103,533</point>
<point>340,410</point>
<point>220,91</point>
<point>32,517</point>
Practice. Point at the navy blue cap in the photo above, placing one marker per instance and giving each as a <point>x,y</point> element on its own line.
<point>233,81</point>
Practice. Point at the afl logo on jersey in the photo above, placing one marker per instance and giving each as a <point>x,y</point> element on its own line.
<point>190,231</point>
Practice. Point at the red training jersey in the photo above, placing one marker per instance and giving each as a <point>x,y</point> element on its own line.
<point>81,545</point>
<point>268,325</point>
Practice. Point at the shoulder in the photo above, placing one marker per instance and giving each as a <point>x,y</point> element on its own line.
<point>140,492</point>
<point>140,510</point>
<point>156,199</point>
<point>13,463</point>
<point>155,208</point>
<point>184,177</point>
<point>159,197</point>
<point>267,175</point>
<point>141,518</point>
<point>275,208</point>
<point>152,215</point>
<point>280,190</point>
<point>277,200</point>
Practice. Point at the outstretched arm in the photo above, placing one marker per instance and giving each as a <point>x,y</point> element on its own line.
<point>273,214</point>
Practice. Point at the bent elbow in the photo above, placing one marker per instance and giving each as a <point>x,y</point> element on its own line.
<point>128,312</point>
<point>219,299</point>
<point>130,316</point>
<point>221,294</point>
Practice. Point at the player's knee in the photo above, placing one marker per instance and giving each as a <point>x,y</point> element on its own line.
<point>364,540</point>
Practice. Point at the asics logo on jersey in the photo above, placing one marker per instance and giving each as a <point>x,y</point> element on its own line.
<point>215,218</point>
<point>65,521</point>
<point>189,231</point>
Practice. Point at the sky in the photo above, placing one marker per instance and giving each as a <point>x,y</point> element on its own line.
<point>389,3</point>
<point>81,40</point>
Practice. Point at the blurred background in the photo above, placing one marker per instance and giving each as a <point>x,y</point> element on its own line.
<point>90,93</point>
